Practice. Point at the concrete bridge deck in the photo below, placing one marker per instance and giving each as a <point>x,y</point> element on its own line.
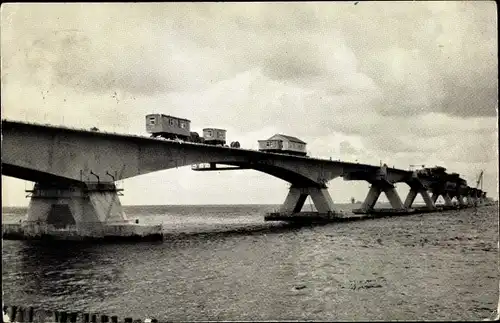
<point>137,152</point>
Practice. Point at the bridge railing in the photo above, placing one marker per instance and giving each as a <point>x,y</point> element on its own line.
<point>101,186</point>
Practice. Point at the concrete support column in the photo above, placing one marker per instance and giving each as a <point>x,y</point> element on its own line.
<point>297,196</point>
<point>410,198</point>
<point>447,200</point>
<point>412,194</point>
<point>471,200</point>
<point>394,198</point>
<point>371,198</point>
<point>294,200</point>
<point>321,199</point>
<point>85,207</point>
<point>446,197</point>
<point>374,194</point>
<point>427,199</point>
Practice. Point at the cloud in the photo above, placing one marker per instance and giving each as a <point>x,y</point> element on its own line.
<point>428,63</point>
<point>75,59</point>
<point>347,148</point>
<point>127,53</point>
<point>471,100</point>
<point>422,62</point>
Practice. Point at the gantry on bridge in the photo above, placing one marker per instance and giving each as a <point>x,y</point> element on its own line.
<point>75,171</point>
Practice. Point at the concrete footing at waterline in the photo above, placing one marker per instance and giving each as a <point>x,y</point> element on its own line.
<point>83,211</point>
<point>303,217</point>
<point>357,214</point>
<point>107,232</point>
<point>414,210</point>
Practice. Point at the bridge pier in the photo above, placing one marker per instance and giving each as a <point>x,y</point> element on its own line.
<point>447,200</point>
<point>374,194</point>
<point>297,195</point>
<point>471,200</point>
<point>75,212</point>
<point>61,206</point>
<point>460,200</point>
<point>446,197</point>
<point>412,194</point>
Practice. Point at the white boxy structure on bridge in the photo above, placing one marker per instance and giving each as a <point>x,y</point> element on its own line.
<point>283,144</point>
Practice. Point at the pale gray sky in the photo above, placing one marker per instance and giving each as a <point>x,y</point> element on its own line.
<point>403,82</point>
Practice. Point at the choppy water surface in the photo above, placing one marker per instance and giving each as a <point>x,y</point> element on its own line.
<point>236,267</point>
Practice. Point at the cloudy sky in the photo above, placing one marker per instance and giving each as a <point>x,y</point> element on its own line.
<point>402,82</point>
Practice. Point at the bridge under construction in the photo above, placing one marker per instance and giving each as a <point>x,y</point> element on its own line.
<point>75,171</point>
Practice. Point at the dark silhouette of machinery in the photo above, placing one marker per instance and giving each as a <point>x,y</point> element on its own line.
<point>174,128</point>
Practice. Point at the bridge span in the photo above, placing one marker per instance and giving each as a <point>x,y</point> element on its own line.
<point>75,171</point>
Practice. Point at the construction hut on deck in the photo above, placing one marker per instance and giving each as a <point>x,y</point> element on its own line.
<point>283,144</point>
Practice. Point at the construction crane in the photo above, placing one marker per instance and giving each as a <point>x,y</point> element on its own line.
<point>480,180</point>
